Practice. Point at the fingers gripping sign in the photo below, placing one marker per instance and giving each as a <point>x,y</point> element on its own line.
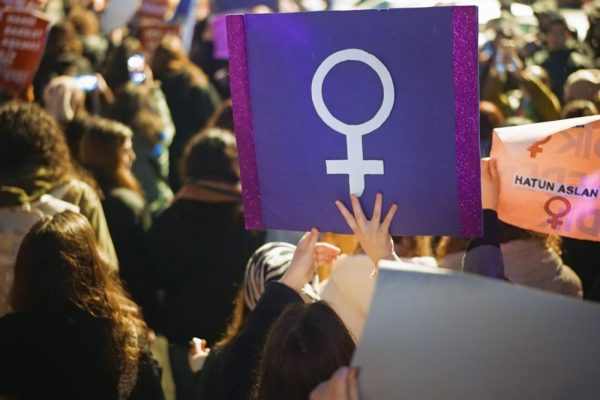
<point>374,234</point>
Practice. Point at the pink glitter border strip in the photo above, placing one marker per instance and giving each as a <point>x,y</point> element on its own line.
<point>466,100</point>
<point>242,120</point>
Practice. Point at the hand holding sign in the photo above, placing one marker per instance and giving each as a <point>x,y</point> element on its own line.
<point>490,184</point>
<point>549,177</point>
<point>310,87</point>
<point>373,235</point>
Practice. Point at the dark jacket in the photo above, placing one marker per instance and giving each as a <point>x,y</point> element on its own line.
<point>128,220</point>
<point>191,106</point>
<point>51,354</point>
<point>241,361</point>
<point>199,251</point>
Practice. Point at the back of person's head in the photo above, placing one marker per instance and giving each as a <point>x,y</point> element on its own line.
<point>170,55</point>
<point>211,155</point>
<point>304,347</point>
<point>413,246</point>
<point>84,21</point>
<point>63,39</point>
<point>30,138</point>
<point>115,69</point>
<point>222,117</point>
<point>59,266</point>
<point>147,127</point>
<point>582,85</point>
<point>490,117</point>
<point>578,108</point>
<point>509,233</point>
<point>268,264</point>
<point>130,99</point>
<point>103,149</point>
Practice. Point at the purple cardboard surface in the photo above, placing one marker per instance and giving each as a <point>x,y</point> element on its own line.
<point>218,24</point>
<point>364,102</point>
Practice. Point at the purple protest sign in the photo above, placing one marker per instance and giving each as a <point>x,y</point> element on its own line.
<point>219,28</point>
<point>332,103</point>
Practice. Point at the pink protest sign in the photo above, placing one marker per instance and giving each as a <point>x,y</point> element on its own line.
<point>550,176</point>
<point>22,40</point>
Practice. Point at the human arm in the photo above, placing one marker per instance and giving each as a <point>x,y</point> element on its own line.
<point>343,385</point>
<point>483,255</point>
<point>242,359</point>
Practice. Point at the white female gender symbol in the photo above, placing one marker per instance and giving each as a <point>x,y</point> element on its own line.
<point>356,167</point>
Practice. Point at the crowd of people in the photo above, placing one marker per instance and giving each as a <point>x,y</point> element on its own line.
<point>121,221</point>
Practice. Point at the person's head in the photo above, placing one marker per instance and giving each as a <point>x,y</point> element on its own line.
<point>106,150</point>
<point>582,85</point>
<point>509,233</point>
<point>62,39</point>
<point>59,266</point>
<point>556,33</point>
<point>304,347</point>
<point>115,69</point>
<point>267,264</point>
<point>170,55</point>
<point>211,155</point>
<point>147,127</point>
<point>30,138</point>
<point>413,246</point>
<point>222,117</point>
<point>130,100</point>
<point>578,108</point>
<point>490,117</point>
<point>84,21</point>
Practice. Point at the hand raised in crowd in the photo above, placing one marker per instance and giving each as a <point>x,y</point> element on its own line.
<point>374,234</point>
<point>343,385</point>
<point>197,354</point>
<point>490,184</point>
<point>308,256</point>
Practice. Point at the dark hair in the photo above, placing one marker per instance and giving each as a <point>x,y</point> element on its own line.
<point>211,155</point>
<point>99,151</point>
<point>238,317</point>
<point>578,108</point>
<point>413,246</point>
<point>170,55</point>
<point>84,21</point>
<point>147,127</point>
<point>31,138</point>
<point>62,39</point>
<point>130,100</point>
<point>490,118</point>
<point>222,117</point>
<point>304,347</point>
<point>115,70</point>
<point>59,265</point>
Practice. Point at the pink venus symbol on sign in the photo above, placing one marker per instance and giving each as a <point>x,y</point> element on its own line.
<point>555,220</point>
<point>355,166</point>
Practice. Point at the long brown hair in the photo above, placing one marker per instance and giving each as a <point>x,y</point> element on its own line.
<point>304,347</point>
<point>59,265</point>
<point>99,151</point>
<point>170,56</point>
<point>31,138</point>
